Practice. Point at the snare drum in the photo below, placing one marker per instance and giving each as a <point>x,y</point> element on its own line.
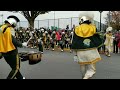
<point>34,58</point>
<point>23,56</point>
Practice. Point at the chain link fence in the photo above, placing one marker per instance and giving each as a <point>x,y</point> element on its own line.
<point>59,23</point>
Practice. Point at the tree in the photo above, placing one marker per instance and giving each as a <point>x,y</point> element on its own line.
<point>113,17</point>
<point>31,15</point>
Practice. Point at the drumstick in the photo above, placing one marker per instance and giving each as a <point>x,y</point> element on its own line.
<point>29,39</point>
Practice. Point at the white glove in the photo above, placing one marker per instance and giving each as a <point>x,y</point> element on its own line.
<point>113,37</point>
<point>24,44</point>
<point>38,40</point>
<point>76,58</point>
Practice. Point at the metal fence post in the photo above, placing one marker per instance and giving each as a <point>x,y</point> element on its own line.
<point>71,23</point>
<point>48,23</point>
<point>58,23</point>
<point>54,19</point>
<point>38,24</point>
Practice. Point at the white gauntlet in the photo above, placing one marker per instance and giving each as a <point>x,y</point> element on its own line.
<point>24,44</point>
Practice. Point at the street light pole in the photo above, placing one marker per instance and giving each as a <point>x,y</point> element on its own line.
<point>54,19</point>
<point>100,19</point>
<point>109,19</point>
<point>48,23</point>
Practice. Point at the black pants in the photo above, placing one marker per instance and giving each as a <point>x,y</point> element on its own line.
<point>66,44</point>
<point>14,62</point>
<point>47,43</point>
<point>62,46</point>
<point>70,45</point>
<point>52,45</point>
<point>40,47</point>
<point>57,42</point>
<point>115,47</point>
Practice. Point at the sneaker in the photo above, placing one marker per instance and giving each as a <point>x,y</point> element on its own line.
<point>94,73</point>
<point>41,52</point>
<point>61,50</point>
<point>52,49</point>
<point>86,77</point>
<point>109,55</point>
<point>89,76</point>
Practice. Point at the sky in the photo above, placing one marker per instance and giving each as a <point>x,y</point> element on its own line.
<point>58,14</point>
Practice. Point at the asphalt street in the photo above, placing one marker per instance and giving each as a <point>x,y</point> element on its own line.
<point>60,65</point>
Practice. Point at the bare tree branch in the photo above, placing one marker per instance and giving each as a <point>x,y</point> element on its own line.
<point>115,22</point>
<point>31,15</point>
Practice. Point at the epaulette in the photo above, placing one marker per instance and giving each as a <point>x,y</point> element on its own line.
<point>5,29</point>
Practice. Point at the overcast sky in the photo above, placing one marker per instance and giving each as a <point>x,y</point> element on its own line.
<point>58,14</point>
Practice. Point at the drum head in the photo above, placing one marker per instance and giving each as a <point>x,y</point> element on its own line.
<point>23,56</point>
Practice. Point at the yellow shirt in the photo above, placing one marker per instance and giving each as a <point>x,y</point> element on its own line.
<point>6,44</point>
<point>85,30</point>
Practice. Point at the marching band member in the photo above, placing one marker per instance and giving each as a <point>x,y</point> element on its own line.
<point>58,37</point>
<point>8,46</point>
<point>108,41</point>
<point>20,35</point>
<point>27,34</point>
<point>85,42</point>
<point>70,42</point>
<point>62,41</point>
<point>52,40</point>
<point>40,45</point>
<point>47,40</point>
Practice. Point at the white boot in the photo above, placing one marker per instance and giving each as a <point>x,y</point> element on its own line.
<point>90,71</point>
<point>83,70</point>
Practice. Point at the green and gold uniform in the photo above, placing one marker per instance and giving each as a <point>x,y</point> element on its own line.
<point>85,37</point>
<point>8,48</point>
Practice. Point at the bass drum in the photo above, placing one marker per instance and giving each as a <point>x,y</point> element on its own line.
<point>34,58</point>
